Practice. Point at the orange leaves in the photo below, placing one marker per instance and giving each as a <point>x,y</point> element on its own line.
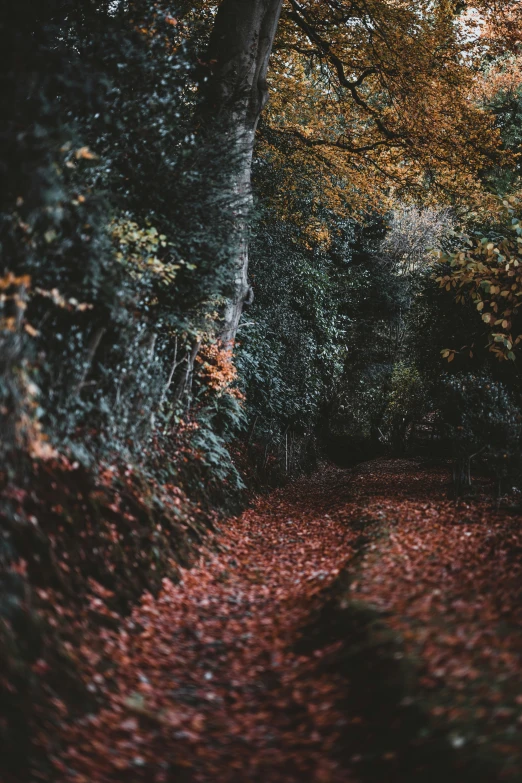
<point>84,153</point>
<point>217,369</point>
<point>9,280</point>
<point>31,331</point>
<point>13,302</point>
<point>152,25</point>
<point>371,113</point>
<point>22,415</point>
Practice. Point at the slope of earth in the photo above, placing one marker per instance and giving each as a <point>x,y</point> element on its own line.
<point>353,626</point>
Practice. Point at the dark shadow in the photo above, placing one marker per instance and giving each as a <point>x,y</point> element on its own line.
<point>345,451</point>
<point>389,737</point>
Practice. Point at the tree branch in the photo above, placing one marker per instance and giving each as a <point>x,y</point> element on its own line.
<point>299,17</point>
<point>337,143</point>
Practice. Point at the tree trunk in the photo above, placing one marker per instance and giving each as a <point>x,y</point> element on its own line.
<point>234,96</point>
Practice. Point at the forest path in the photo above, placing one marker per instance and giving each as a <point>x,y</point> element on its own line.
<point>280,656</point>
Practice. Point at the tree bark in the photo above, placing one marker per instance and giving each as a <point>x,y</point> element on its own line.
<point>184,386</point>
<point>234,96</point>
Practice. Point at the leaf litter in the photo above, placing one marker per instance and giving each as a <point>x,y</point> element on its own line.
<point>210,681</point>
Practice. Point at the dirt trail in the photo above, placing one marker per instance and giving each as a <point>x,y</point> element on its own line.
<point>280,658</point>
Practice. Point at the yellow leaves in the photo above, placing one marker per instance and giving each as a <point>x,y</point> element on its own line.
<point>419,98</point>
<point>448,354</point>
<point>487,261</point>
<point>143,250</point>
<point>317,235</point>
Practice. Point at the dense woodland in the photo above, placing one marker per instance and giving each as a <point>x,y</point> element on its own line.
<point>239,240</point>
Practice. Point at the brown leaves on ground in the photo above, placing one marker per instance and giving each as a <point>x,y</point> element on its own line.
<point>450,577</point>
<point>207,682</point>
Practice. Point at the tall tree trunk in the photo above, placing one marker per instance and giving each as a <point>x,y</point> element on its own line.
<point>235,94</point>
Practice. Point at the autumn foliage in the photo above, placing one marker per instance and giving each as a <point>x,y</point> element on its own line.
<point>218,370</point>
<point>486,272</point>
<point>200,580</point>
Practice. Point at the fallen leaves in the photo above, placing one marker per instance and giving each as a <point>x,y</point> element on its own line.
<point>450,579</point>
<point>209,677</point>
<point>210,680</point>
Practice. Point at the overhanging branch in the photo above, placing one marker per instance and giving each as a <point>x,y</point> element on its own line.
<point>300,18</point>
<point>339,143</point>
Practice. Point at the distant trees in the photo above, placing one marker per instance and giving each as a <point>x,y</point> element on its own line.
<point>413,232</point>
